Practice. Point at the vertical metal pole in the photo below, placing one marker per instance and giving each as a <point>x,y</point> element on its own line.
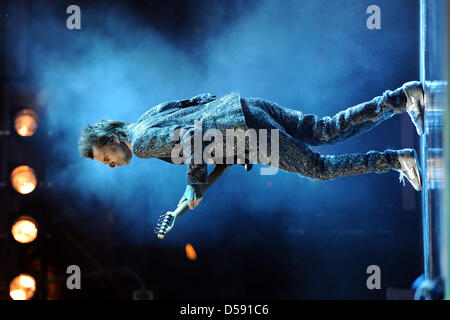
<point>426,227</point>
<point>446,213</point>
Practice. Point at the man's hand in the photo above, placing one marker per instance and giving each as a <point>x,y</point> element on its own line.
<point>193,195</point>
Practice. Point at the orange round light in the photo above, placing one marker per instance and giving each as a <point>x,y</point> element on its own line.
<point>22,287</point>
<point>25,122</point>
<point>23,179</point>
<point>190,252</point>
<point>25,229</point>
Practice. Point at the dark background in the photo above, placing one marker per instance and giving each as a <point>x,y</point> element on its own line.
<point>256,237</point>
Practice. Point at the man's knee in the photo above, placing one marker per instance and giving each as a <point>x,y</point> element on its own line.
<point>315,167</point>
<point>307,129</point>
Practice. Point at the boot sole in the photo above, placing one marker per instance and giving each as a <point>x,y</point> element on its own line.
<point>417,172</point>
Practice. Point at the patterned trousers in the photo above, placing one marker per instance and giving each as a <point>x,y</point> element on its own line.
<point>298,131</point>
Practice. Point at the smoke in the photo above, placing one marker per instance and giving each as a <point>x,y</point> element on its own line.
<point>314,56</point>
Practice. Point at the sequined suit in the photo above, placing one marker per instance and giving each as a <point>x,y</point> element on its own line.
<point>151,135</point>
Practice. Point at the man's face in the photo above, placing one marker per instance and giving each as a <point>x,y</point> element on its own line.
<point>115,154</point>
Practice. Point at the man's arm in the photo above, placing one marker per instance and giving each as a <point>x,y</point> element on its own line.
<point>166,220</point>
<point>197,173</point>
<point>196,178</point>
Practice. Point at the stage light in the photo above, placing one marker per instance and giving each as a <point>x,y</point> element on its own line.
<point>190,252</point>
<point>25,122</point>
<point>23,179</point>
<point>24,229</point>
<point>22,287</point>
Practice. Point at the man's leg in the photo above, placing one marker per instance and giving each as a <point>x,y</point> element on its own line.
<point>313,130</point>
<point>297,157</point>
<point>296,133</point>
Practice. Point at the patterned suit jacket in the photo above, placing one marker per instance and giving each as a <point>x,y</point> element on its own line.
<point>151,135</point>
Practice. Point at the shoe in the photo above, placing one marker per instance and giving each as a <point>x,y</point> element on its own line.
<point>415,105</point>
<point>410,168</point>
